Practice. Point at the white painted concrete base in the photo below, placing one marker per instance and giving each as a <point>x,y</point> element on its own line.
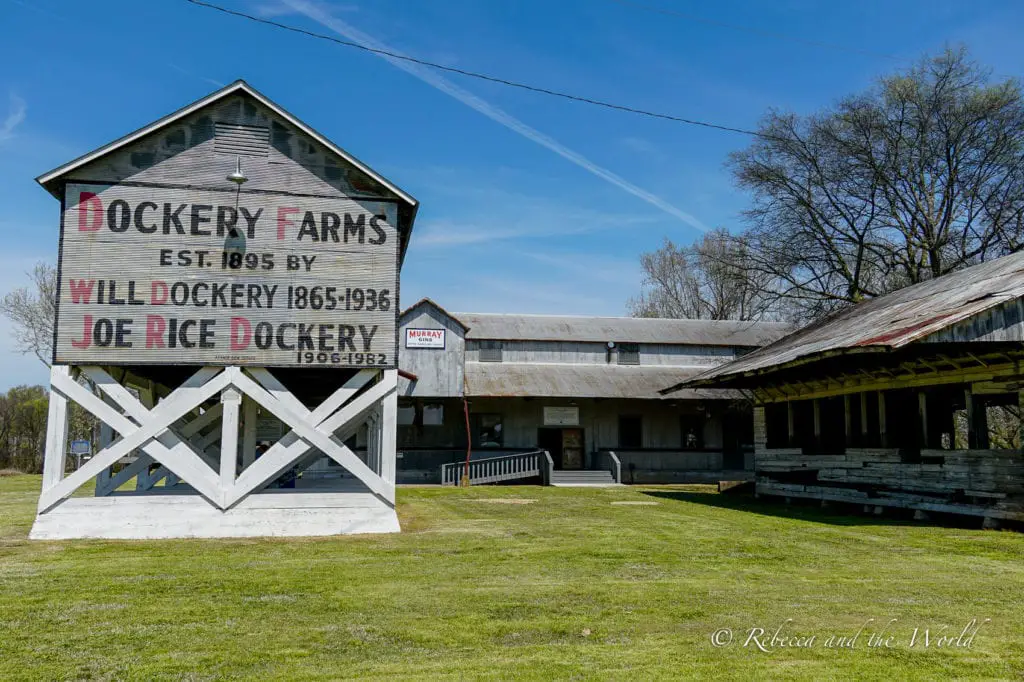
<point>274,513</point>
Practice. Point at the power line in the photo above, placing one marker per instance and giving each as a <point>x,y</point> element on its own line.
<point>480,76</point>
<point>757,31</point>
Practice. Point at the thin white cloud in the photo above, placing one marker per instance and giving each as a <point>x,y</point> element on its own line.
<point>496,114</point>
<point>280,9</point>
<point>597,268</point>
<point>15,117</point>
<point>540,220</point>
<point>185,72</point>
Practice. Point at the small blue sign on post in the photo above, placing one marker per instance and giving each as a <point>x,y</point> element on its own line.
<point>80,447</point>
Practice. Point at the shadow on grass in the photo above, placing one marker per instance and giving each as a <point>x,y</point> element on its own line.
<point>836,514</point>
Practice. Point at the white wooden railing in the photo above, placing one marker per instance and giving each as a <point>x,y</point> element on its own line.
<point>495,469</point>
<point>610,461</point>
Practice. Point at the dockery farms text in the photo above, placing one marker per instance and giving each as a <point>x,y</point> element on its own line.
<point>181,276</point>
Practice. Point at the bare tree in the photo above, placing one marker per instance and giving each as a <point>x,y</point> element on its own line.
<point>709,280</point>
<point>32,311</point>
<point>919,176</point>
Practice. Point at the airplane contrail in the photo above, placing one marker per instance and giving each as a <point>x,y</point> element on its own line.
<point>489,110</point>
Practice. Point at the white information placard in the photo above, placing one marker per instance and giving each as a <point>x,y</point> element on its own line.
<point>424,338</point>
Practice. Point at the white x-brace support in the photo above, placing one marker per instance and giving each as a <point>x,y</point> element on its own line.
<point>170,432</point>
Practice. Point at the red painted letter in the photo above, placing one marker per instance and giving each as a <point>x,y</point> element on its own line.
<point>81,290</point>
<point>87,201</point>
<point>241,333</point>
<point>156,326</point>
<point>86,334</point>
<point>158,294</point>
<point>282,219</point>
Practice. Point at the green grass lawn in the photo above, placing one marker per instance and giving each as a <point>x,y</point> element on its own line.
<point>569,585</point>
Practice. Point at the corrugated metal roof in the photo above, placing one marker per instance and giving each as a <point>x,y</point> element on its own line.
<point>892,321</point>
<point>541,380</point>
<point>509,327</point>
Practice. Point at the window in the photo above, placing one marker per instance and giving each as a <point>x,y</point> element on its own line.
<point>427,428</point>
<point>406,415</point>
<point>629,353</point>
<point>487,431</point>
<point>631,432</point>
<point>433,415</point>
<point>490,351</point>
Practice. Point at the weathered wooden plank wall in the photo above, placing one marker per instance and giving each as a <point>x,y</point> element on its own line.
<point>139,216</point>
<point>439,372</point>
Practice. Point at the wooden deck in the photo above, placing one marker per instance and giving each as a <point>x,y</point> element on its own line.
<point>987,483</point>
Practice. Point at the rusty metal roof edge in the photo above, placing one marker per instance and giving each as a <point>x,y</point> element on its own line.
<point>705,379</point>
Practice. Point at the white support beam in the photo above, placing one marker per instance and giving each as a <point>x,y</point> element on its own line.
<point>165,436</point>
<point>104,484</point>
<point>388,429</point>
<point>202,385</point>
<point>55,455</point>
<point>307,432</point>
<point>250,413</point>
<point>231,399</point>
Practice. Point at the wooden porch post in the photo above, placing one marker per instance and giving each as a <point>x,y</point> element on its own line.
<point>977,426</point>
<point>1020,427</point>
<point>848,424</point>
<point>864,419</point>
<point>817,422</point>
<point>790,425</point>
<point>922,418</point>
<point>883,437</point>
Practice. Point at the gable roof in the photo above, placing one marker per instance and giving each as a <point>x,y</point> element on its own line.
<point>918,313</point>
<point>621,329</point>
<point>52,181</point>
<point>427,303</point>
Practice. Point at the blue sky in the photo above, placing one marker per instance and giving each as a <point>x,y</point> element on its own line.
<point>507,224</point>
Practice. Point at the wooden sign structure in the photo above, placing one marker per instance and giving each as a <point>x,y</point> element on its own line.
<point>220,268</point>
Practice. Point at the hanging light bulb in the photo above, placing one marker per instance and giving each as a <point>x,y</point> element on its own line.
<point>234,243</point>
<point>237,176</point>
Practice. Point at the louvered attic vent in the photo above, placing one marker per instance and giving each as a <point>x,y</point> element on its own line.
<point>240,140</point>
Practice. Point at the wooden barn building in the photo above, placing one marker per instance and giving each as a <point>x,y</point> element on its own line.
<point>577,387</point>
<point>908,401</point>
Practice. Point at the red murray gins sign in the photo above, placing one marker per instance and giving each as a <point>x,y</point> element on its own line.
<point>179,276</point>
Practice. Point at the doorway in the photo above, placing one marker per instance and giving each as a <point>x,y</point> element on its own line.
<point>564,445</point>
